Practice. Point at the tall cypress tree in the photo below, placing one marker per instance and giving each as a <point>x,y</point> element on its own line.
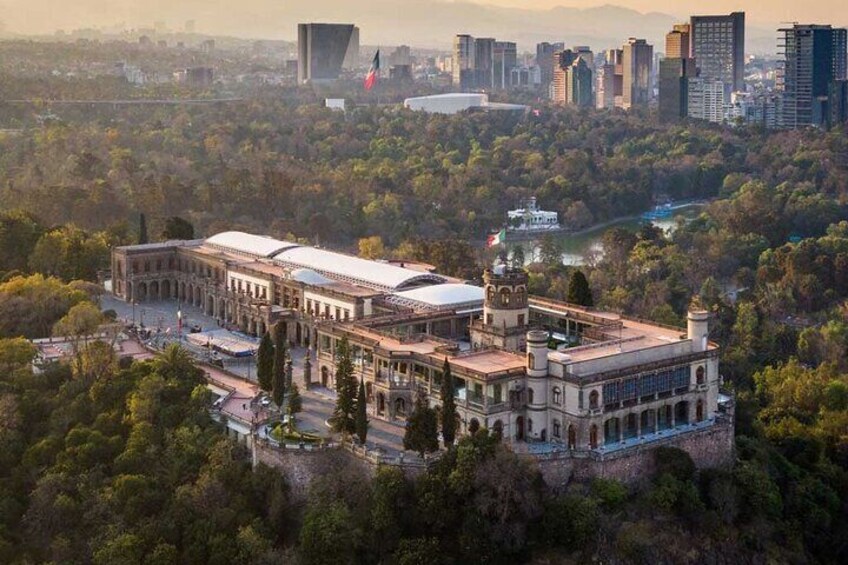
<point>142,228</point>
<point>579,291</point>
<point>361,414</point>
<point>279,379</point>
<point>265,363</point>
<point>422,428</point>
<point>448,406</point>
<point>343,416</point>
<point>295,404</point>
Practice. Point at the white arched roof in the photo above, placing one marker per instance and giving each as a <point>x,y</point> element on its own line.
<point>438,296</point>
<point>308,276</point>
<point>249,244</point>
<point>347,268</point>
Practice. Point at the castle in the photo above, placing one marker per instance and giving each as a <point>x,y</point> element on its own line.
<point>562,382</point>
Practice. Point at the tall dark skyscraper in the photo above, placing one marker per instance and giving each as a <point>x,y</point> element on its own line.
<point>718,47</point>
<point>505,59</point>
<point>484,62</point>
<point>814,57</point>
<point>637,63</point>
<point>673,88</point>
<point>545,61</point>
<point>464,51</point>
<point>322,50</point>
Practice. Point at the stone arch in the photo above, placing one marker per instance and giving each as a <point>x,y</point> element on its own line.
<point>593,400</point>
<point>198,297</point>
<point>325,376</point>
<point>593,436</point>
<point>182,291</point>
<point>505,297</point>
<point>129,295</point>
<point>648,421</point>
<point>154,290</point>
<point>222,309</point>
<point>142,292</point>
<point>631,426</point>
<point>664,417</point>
<point>497,429</point>
<point>612,430</point>
<point>400,407</point>
<point>210,305</point>
<point>381,403</point>
<point>572,437</point>
<point>699,410</point>
<point>681,413</point>
<point>473,426</point>
<point>166,289</point>
<point>519,428</point>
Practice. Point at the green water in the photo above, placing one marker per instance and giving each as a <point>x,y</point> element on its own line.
<point>577,248</point>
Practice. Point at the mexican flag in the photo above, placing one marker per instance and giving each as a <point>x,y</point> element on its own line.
<point>497,239</point>
<point>373,72</point>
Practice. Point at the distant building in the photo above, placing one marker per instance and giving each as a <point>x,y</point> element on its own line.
<point>505,59</point>
<point>351,60</point>
<point>678,41</point>
<point>718,47</point>
<point>457,102</point>
<point>400,73</point>
<point>674,88</point>
<point>400,56</point>
<point>707,100</point>
<point>814,57</point>
<point>322,51</point>
<point>484,62</point>
<point>562,60</point>
<point>838,103</point>
<point>610,80</point>
<point>637,64</point>
<point>463,63</point>
<point>574,84</point>
<point>545,61</point>
<point>195,76</point>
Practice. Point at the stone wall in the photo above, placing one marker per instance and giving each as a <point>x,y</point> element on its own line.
<point>710,447</point>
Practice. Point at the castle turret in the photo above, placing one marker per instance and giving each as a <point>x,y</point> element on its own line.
<point>537,353</point>
<point>698,328</point>
<point>505,310</point>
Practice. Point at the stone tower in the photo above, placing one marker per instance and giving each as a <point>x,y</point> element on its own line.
<point>505,311</point>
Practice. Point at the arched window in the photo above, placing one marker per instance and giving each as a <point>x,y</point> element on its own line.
<point>699,411</point>
<point>530,395</point>
<point>490,293</point>
<point>505,296</point>
<point>531,360</point>
<point>473,426</point>
<point>557,396</point>
<point>593,400</point>
<point>699,375</point>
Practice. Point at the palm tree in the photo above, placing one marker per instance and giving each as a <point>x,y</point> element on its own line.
<point>174,361</point>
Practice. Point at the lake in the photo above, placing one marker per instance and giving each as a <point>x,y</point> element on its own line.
<point>576,246</point>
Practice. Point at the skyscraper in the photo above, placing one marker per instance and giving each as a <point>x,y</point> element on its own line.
<point>674,88</point>
<point>545,61</point>
<point>718,47</point>
<point>484,62</point>
<point>814,57</point>
<point>562,60</point>
<point>677,42</point>
<point>505,59</point>
<point>637,64</point>
<point>463,62</point>
<point>321,51</point>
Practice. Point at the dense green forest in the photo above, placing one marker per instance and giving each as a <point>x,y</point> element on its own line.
<point>116,463</point>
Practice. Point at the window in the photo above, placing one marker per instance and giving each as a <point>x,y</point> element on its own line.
<point>505,296</point>
<point>557,395</point>
<point>530,395</point>
<point>531,360</point>
<point>593,400</point>
<point>346,314</point>
<point>521,319</point>
<point>147,266</point>
<point>557,429</point>
<point>338,313</point>
<point>699,375</point>
<point>489,319</point>
<point>529,425</point>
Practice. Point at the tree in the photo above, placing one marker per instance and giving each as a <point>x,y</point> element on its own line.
<point>449,414</point>
<point>579,291</point>
<point>361,414</point>
<point>517,258</point>
<point>265,363</point>
<point>422,429</point>
<point>328,536</point>
<point>343,416</point>
<point>78,326</point>
<point>142,229</point>
<point>295,404</point>
<point>372,247</point>
<point>550,251</point>
<point>278,384</point>
<point>177,228</point>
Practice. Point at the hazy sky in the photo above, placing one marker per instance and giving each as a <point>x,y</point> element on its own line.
<point>416,21</point>
<point>767,11</point>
